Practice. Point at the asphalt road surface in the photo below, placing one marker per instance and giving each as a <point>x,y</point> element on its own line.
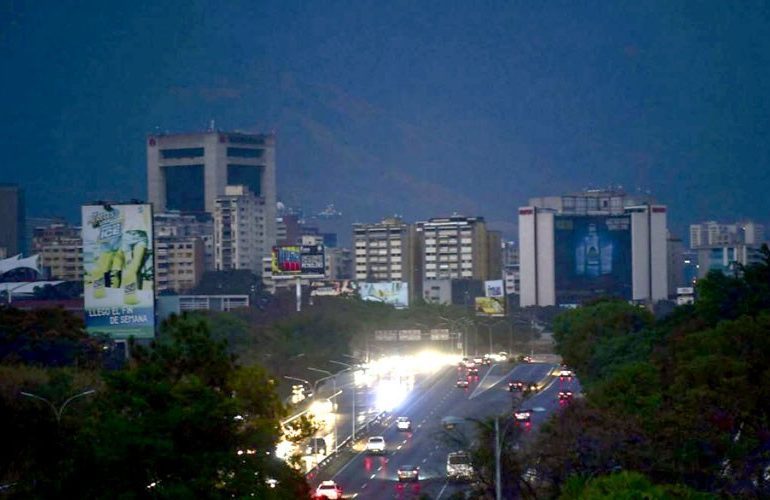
<point>435,397</point>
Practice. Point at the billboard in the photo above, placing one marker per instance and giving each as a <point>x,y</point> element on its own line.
<point>494,288</point>
<point>334,288</point>
<point>395,293</point>
<point>490,306</point>
<point>592,257</point>
<point>297,260</point>
<point>118,270</point>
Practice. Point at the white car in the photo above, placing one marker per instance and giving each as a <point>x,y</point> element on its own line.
<point>328,489</point>
<point>403,424</point>
<point>375,444</point>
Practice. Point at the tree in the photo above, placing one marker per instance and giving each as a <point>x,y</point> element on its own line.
<point>626,485</point>
<point>172,425</point>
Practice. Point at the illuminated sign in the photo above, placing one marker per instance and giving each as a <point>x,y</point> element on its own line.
<point>293,260</point>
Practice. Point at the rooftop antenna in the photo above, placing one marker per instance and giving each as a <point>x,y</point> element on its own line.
<point>211,126</point>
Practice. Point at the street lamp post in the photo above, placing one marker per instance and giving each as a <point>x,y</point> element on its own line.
<point>58,411</point>
<point>350,367</point>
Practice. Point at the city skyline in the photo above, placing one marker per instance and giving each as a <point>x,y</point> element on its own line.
<point>410,106</point>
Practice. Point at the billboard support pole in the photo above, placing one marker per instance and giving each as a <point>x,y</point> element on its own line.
<point>299,294</point>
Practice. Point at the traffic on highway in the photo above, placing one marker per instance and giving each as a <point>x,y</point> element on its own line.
<point>414,438</point>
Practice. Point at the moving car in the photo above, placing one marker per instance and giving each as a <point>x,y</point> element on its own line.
<point>565,396</point>
<point>523,417</point>
<point>458,466</point>
<point>408,473</point>
<point>404,424</point>
<point>462,383</point>
<point>473,371</point>
<point>478,359</point>
<point>515,385</point>
<point>565,374</point>
<point>526,359</point>
<point>531,387</point>
<point>375,444</point>
<point>329,489</point>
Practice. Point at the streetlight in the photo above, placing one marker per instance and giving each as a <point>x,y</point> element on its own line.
<point>353,412</point>
<point>298,380</point>
<point>58,411</point>
<point>330,376</point>
<point>489,328</point>
<point>452,325</point>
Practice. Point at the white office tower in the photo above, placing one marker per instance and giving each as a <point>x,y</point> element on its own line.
<point>241,235</point>
<point>593,244</point>
<point>722,247</point>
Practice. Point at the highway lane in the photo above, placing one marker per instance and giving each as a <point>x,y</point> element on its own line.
<point>427,447</point>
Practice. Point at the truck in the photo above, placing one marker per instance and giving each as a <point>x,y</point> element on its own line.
<point>458,466</point>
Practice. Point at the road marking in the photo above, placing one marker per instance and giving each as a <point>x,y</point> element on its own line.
<point>399,447</point>
<point>424,460</point>
<point>442,490</point>
<point>364,485</point>
<point>372,476</point>
<point>379,468</point>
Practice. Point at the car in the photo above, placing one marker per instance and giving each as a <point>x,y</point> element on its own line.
<point>515,385</point>
<point>565,374</point>
<point>450,422</point>
<point>478,360</point>
<point>459,466</point>
<point>316,446</point>
<point>462,383</point>
<point>404,424</point>
<point>531,387</point>
<point>526,359</point>
<point>408,473</point>
<point>328,489</point>
<point>375,444</point>
<point>473,371</point>
<point>523,417</point>
<point>565,396</point>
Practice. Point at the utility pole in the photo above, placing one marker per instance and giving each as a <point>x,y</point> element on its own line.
<point>498,451</point>
<point>350,367</point>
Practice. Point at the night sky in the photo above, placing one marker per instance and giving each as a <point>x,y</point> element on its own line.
<point>416,108</point>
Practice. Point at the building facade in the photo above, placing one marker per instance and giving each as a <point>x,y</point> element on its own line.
<point>386,252</point>
<point>460,247</point>
<point>721,247</point>
<point>179,263</point>
<point>179,225</point>
<point>12,224</point>
<point>60,247</point>
<point>242,237</point>
<point>597,243</point>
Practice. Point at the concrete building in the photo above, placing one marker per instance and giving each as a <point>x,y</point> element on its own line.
<point>460,247</point>
<point>175,224</point>
<point>339,263</point>
<point>187,172</point>
<point>177,304</point>
<point>243,233</point>
<point>387,251</point>
<point>179,263</point>
<point>721,246</point>
<point>596,243</point>
<point>12,224</point>
<point>60,247</point>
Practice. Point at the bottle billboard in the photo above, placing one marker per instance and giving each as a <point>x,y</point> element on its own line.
<point>118,270</point>
<point>592,257</point>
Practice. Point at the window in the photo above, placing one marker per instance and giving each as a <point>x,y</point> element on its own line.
<point>245,153</point>
<point>245,139</point>
<point>184,188</point>
<point>170,154</point>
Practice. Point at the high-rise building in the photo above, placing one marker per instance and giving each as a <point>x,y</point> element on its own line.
<point>178,263</point>
<point>12,219</point>
<point>721,247</point>
<point>387,251</point>
<point>188,172</point>
<point>597,243</point>
<point>676,278</point>
<point>241,235</point>
<point>60,247</point>
<point>460,247</point>
<point>179,225</point>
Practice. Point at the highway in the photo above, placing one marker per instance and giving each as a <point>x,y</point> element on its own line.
<point>434,397</point>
